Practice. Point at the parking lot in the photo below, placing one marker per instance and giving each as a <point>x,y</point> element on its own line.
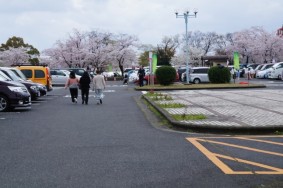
<point>56,143</point>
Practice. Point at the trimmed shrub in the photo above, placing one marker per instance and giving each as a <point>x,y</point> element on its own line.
<point>219,74</point>
<point>165,75</point>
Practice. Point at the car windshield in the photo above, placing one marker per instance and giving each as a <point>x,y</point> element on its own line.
<point>19,74</point>
<point>13,75</point>
<point>4,77</point>
<point>266,66</point>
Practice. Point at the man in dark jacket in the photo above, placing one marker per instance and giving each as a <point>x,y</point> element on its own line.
<point>84,86</point>
<point>141,74</point>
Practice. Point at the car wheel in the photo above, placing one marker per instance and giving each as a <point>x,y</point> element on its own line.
<point>145,82</point>
<point>4,104</point>
<point>196,81</point>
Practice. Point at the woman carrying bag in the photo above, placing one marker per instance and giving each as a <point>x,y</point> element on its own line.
<point>98,86</point>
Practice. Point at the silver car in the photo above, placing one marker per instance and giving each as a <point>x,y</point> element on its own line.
<point>59,77</point>
<point>198,75</point>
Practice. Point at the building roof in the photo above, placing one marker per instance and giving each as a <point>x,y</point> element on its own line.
<point>215,58</point>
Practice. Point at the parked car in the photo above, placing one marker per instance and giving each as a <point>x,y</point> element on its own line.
<point>78,71</point>
<point>32,87</point>
<point>133,75</point>
<point>37,74</point>
<point>12,94</point>
<point>251,68</point>
<point>276,72</point>
<point>42,88</point>
<point>59,77</point>
<point>180,71</point>
<point>197,75</point>
<point>242,69</point>
<point>263,72</point>
<point>126,70</point>
<point>257,69</point>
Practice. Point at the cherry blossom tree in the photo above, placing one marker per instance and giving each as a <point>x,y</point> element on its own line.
<point>256,45</point>
<point>15,43</point>
<point>123,52</point>
<point>14,56</point>
<point>99,49</point>
<point>70,53</point>
<point>200,44</point>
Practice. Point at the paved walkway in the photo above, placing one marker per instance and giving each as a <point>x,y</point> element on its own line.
<point>231,109</point>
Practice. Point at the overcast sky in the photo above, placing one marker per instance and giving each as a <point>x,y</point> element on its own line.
<point>42,22</point>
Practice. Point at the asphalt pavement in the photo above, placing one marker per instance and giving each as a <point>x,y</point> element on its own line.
<point>58,143</point>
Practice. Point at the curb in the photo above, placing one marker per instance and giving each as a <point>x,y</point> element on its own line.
<point>183,125</point>
<point>200,88</point>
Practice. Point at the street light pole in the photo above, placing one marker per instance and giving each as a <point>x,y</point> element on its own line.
<point>187,15</point>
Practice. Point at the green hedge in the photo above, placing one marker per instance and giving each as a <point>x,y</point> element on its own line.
<point>219,74</point>
<point>165,75</point>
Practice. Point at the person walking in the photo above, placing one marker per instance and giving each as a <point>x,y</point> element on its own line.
<point>84,86</point>
<point>73,83</point>
<point>141,74</point>
<point>125,81</point>
<point>98,86</point>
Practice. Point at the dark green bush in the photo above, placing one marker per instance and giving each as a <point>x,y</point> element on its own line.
<point>165,75</point>
<point>219,74</point>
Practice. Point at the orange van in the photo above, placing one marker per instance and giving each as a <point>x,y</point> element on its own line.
<point>38,74</point>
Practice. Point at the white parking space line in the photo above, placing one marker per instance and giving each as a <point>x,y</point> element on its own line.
<point>105,91</point>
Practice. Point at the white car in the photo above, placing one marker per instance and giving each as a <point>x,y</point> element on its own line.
<point>133,76</point>
<point>277,70</point>
<point>257,69</point>
<point>264,73</point>
<point>60,77</point>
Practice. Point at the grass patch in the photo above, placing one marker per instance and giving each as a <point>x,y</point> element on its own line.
<point>180,86</point>
<point>158,96</point>
<point>162,98</point>
<point>154,94</point>
<point>171,105</point>
<point>162,121</point>
<point>180,117</point>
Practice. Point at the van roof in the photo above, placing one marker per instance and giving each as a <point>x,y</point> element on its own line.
<point>29,65</point>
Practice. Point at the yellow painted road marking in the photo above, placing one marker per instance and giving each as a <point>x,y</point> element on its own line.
<point>210,156</point>
<point>229,137</point>
<point>257,140</point>
<point>243,147</point>
<point>279,170</point>
<point>215,158</point>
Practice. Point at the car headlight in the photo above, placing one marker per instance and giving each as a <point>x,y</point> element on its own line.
<point>33,87</point>
<point>16,89</point>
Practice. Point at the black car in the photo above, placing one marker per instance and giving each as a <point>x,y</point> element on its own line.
<point>13,94</point>
<point>32,88</point>
<point>42,88</point>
